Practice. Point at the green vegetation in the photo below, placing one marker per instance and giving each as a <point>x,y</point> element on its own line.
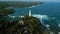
<point>7,7</point>
<point>30,25</point>
<point>4,12</point>
<point>19,4</point>
<point>26,25</point>
<point>33,25</point>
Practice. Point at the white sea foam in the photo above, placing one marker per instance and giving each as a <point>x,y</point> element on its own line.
<point>47,25</point>
<point>11,16</point>
<point>59,25</point>
<point>21,16</point>
<point>41,17</point>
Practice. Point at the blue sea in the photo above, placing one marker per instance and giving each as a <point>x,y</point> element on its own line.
<point>51,9</point>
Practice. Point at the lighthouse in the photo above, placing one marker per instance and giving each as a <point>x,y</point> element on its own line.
<point>30,13</point>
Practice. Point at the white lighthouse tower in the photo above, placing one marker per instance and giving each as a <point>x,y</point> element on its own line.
<point>30,13</point>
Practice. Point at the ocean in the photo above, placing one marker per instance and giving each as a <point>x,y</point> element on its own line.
<point>51,9</point>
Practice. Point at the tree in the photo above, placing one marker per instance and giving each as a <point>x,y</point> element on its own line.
<point>5,25</point>
<point>5,10</point>
<point>32,25</point>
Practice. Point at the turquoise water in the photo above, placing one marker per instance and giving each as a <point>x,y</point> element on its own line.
<point>51,9</point>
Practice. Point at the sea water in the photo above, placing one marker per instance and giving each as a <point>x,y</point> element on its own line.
<point>51,9</point>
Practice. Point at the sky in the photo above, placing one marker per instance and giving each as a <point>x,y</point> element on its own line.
<point>34,0</point>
